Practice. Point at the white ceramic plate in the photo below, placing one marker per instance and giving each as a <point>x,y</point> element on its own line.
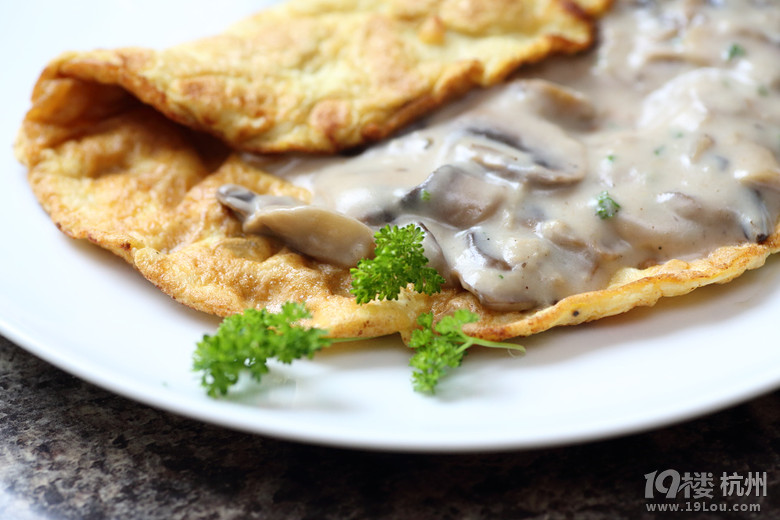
<point>89,313</point>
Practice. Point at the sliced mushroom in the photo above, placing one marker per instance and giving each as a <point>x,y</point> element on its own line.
<point>758,226</point>
<point>481,252</point>
<point>755,225</point>
<point>246,203</point>
<point>560,105</point>
<point>560,234</point>
<point>702,144</point>
<point>682,222</point>
<point>498,290</point>
<point>456,194</point>
<point>544,154</point>
<point>587,255</point>
<point>318,232</point>
<point>756,165</point>
<point>498,283</point>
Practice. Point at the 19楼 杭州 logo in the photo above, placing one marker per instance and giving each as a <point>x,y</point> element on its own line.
<point>670,490</point>
<point>671,483</point>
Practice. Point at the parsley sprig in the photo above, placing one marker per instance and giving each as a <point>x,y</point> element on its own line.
<point>442,346</point>
<point>399,259</point>
<point>245,342</point>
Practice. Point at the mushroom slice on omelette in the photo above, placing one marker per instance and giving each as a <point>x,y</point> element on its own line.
<point>118,153</point>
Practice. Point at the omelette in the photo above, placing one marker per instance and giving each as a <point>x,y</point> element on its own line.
<point>556,183</point>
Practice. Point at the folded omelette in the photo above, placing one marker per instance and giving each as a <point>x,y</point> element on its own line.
<point>552,194</point>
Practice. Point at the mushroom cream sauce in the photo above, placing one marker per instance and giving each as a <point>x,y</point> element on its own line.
<point>661,143</point>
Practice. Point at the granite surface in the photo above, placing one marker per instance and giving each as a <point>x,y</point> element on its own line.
<point>70,450</point>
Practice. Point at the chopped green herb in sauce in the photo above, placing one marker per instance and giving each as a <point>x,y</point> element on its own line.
<point>606,207</point>
<point>735,50</point>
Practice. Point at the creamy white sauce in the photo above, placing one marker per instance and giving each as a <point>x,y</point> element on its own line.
<point>675,115</point>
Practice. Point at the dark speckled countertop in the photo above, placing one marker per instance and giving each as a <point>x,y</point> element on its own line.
<point>70,450</point>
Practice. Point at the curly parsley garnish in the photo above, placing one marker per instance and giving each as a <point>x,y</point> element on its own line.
<point>399,259</point>
<point>245,342</point>
<point>441,347</point>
